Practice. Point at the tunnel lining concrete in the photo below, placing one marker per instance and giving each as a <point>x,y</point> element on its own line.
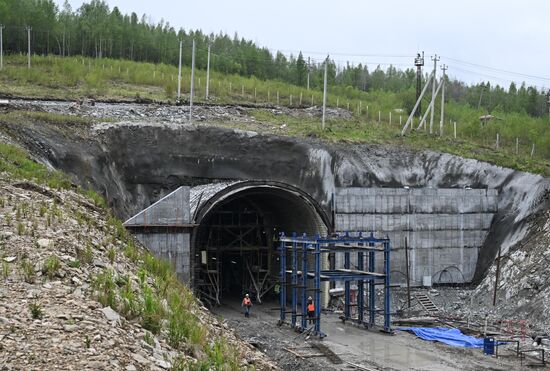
<point>277,207</point>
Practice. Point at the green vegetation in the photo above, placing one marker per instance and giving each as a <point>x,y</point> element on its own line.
<point>111,254</point>
<point>20,229</point>
<point>36,310</point>
<point>474,139</point>
<point>15,161</point>
<point>6,270</point>
<point>105,287</point>
<point>74,263</point>
<point>51,266</point>
<point>95,30</point>
<point>158,284</point>
<point>27,271</point>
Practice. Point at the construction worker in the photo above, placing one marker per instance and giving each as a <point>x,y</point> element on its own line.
<point>247,303</point>
<point>310,310</point>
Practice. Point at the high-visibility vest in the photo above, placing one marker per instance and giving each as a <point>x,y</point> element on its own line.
<point>246,302</point>
<point>311,307</point>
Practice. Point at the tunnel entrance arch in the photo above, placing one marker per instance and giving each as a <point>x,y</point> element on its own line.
<point>234,244</point>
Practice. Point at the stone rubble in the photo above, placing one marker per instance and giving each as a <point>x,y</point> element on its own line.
<point>50,318</point>
<point>172,113</point>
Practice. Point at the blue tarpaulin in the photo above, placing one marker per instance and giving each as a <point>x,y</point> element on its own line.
<point>449,336</point>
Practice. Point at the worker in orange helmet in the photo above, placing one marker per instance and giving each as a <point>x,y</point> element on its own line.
<point>247,303</point>
<point>311,310</point>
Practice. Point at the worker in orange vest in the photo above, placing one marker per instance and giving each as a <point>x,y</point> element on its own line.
<point>247,303</point>
<point>310,310</point>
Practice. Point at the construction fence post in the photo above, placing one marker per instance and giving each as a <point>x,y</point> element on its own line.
<point>282,279</point>
<point>318,287</point>
<point>294,283</point>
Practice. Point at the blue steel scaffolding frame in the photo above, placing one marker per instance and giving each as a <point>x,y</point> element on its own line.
<point>290,247</point>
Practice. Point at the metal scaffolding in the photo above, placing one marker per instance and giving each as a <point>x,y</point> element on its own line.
<point>304,250</point>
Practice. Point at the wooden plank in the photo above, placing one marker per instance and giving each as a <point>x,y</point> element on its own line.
<point>361,367</point>
<point>295,353</point>
<point>360,272</point>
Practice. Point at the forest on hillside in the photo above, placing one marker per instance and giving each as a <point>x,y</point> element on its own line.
<point>96,30</point>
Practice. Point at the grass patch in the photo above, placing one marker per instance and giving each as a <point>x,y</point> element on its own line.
<point>26,270</point>
<point>51,266</point>
<point>106,289</point>
<point>36,310</point>
<point>76,77</point>
<point>6,270</point>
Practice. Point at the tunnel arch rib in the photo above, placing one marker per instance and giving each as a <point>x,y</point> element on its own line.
<point>206,197</point>
<point>233,245</point>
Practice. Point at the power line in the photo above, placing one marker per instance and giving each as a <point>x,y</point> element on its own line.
<point>454,67</point>
<point>499,70</point>
<point>343,54</point>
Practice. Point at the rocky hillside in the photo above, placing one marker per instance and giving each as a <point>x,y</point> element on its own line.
<point>523,291</point>
<point>76,292</point>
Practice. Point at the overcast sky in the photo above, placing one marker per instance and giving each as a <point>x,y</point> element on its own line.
<point>492,36</point>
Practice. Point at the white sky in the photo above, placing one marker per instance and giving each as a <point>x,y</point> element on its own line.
<point>508,35</point>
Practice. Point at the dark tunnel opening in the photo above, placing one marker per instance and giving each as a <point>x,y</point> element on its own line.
<point>236,244</point>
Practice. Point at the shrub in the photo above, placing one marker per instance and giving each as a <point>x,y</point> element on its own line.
<point>152,314</point>
<point>130,303</point>
<point>36,310</point>
<point>27,271</point>
<point>51,266</point>
<point>74,263</point>
<point>111,254</point>
<point>5,269</point>
<point>20,229</point>
<point>106,289</point>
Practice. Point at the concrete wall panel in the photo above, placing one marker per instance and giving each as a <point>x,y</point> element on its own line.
<point>444,228</point>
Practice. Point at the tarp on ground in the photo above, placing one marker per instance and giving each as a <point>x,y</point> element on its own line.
<point>449,336</point>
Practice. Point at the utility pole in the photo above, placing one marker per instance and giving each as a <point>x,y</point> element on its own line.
<point>179,73</point>
<point>419,63</point>
<point>192,82</point>
<point>29,45</point>
<point>435,58</point>
<point>308,60</point>
<point>208,71</point>
<point>325,93</point>
<point>547,94</point>
<point>444,68</point>
<point>480,96</point>
<point>1,47</point>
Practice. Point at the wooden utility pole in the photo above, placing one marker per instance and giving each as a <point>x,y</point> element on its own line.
<point>435,58</point>
<point>419,63</point>
<point>444,69</point>
<point>192,82</point>
<point>29,45</point>
<point>417,104</point>
<point>1,47</point>
<point>208,71</point>
<point>308,61</point>
<point>325,93</point>
<point>497,276</point>
<point>408,275</point>
<point>179,72</point>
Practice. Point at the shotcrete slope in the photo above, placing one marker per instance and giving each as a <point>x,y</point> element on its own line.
<point>134,163</point>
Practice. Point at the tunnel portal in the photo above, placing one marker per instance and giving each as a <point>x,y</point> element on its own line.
<point>222,237</point>
<point>236,237</point>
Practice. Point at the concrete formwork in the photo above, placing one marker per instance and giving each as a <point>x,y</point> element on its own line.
<point>443,228</point>
<point>165,229</point>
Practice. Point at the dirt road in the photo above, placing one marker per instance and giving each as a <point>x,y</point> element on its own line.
<point>370,349</point>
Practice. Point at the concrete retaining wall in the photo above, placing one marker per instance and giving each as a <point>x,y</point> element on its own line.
<point>164,228</point>
<point>443,228</point>
<point>171,246</point>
